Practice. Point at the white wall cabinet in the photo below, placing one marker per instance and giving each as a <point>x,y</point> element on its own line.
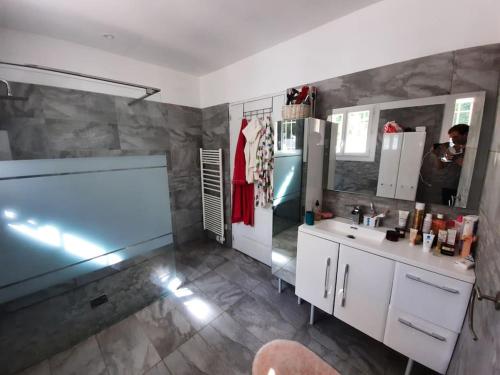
<point>400,162</point>
<point>389,164</point>
<point>316,270</point>
<point>363,290</point>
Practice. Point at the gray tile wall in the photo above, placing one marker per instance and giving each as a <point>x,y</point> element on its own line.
<point>59,123</point>
<point>215,126</point>
<point>482,356</point>
<point>472,69</point>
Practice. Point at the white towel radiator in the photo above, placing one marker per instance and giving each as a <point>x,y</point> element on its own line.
<point>212,192</point>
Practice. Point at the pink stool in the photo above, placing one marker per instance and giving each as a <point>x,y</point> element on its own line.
<point>284,357</point>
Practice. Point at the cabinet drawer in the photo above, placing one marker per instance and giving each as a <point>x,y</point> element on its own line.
<point>438,299</point>
<point>419,340</point>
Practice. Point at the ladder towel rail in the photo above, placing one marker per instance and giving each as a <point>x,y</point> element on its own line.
<point>212,192</point>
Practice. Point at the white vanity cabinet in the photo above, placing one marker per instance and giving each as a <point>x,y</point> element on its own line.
<point>316,270</point>
<point>364,283</point>
<point>413,302</point>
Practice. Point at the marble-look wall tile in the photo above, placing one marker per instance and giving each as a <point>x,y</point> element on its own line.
<point>418,78</point>
<point>27,137</point>
<point>495,143</point>
<point>61,123</point>
<point>76,135</point>
<point>478,69</point>
<point>215,126</point>
<point>481,357</point>
<point>341,204</point>
<point>18,108</point>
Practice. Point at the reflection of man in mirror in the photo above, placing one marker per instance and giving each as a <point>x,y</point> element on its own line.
<point>450,156</point>
<point>453,151</point>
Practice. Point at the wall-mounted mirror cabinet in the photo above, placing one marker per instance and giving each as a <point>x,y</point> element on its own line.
<point>427,162</point>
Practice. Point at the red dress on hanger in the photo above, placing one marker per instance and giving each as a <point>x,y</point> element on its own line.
<point>243,192</point>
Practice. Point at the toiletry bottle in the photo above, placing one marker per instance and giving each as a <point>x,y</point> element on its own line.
<point>441,240</point>
<point>418,216</point>
<point>438,223</point>
<point>426,227</point>
<point>459,224</point>
<point>317,211</point>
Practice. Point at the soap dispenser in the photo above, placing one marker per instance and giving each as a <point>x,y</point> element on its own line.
<point>317,211</point>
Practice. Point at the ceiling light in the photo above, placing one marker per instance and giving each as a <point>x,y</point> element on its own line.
<point>108,36</point>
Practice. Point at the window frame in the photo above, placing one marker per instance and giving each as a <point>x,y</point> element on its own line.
<point>371,138</point>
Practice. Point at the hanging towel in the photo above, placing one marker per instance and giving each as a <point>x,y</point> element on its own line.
<point>252,135</point>
<point>265,166</point>
<point>243,193</point>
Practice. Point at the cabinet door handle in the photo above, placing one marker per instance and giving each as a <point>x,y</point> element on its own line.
<point>445,288</point>
<point>413,326</point>
<point>344,285</point>
<point>327,278</point>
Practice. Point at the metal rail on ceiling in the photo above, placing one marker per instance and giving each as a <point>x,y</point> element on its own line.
<point>149,90</point>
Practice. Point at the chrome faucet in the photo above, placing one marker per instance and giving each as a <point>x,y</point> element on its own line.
<point>372,209</point>
<point>356,215</point>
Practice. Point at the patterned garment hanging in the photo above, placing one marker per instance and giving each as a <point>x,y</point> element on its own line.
<point>265,166</point>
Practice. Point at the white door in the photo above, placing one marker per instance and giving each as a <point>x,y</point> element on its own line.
<point>254,241</point>
<point>316,268</point>
<point>363,291</point>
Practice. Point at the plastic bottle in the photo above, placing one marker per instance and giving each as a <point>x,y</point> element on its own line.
<point>317,211</point>
<point>426,227</point>
<point>438,223</point>
<point>418,216</point>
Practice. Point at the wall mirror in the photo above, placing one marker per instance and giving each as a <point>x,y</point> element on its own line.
<point>426,162</point>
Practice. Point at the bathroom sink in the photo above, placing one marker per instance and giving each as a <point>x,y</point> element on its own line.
<point>344,228</point>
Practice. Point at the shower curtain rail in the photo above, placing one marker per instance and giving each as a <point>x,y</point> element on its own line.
<point>149,90</point>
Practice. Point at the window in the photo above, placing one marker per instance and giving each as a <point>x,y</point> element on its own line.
<point>356,133</point>
<point>463,111</point>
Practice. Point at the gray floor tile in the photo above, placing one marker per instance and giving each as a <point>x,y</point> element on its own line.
<point>261,319</point>
<point>159,369</point>
<point>238,356</point>
<point>286,303</point>
<point>127,349</point>
<point>178,364</point>
<point>82,359</point>
<point>166,327</point>
<point>195,306</point>
<point>200,355</point>
<point>223,307</point>
<point>223,292</point>
<point>41,368</point>
<point>349,347</point>
<point>239,275</point>
<point>231,329</point>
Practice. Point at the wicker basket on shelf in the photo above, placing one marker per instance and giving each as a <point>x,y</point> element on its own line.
<point>296,111</point>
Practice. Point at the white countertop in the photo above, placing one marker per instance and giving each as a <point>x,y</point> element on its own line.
<point>400,251</point>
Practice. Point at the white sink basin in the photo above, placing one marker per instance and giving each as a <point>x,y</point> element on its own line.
<point>343,228</point>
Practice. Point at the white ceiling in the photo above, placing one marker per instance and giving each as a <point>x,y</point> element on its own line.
<point>192,36</point>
